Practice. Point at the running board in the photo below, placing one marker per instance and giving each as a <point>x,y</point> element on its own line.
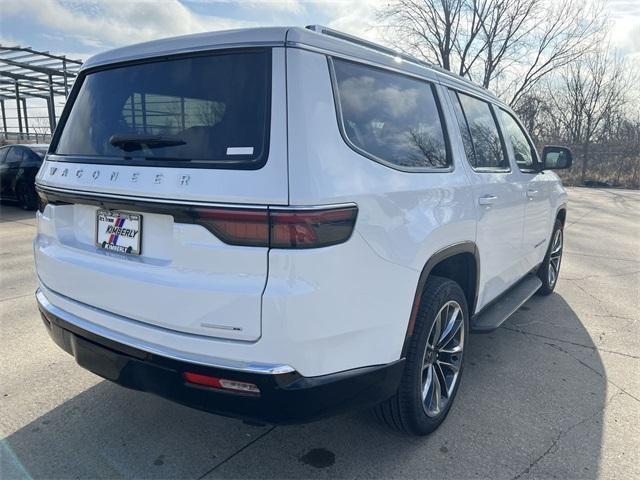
<point>500,310</point>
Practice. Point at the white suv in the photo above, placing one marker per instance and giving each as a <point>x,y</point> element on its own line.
<point>280,223</point>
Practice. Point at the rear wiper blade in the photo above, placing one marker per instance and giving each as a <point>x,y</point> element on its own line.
<point>132,142</point>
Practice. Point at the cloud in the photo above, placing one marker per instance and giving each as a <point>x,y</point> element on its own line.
<point>286,6</point>
<point>102,24</point>
<point>356,17</point>
<point>625,26</point>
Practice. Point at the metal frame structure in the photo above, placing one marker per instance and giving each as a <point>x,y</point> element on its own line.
<point>27,73</point>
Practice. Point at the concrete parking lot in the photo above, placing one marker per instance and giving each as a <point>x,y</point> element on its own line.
<point>555,392</point>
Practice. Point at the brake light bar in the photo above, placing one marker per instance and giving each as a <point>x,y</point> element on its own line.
<point>279,227</point>
<point>311,228</point>
<point>236,226</point>
<point>273,227</point>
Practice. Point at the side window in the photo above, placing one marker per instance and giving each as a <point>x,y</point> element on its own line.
<point>524,152</point>
<point>464,129</point>
<point>14,156</point>
<point>391,117</point>
<point>478,123</point>
<point>30,158</point>
<point>3,155</point>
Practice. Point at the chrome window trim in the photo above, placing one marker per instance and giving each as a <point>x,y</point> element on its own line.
<point>496,121</point>
<point>537,163</point>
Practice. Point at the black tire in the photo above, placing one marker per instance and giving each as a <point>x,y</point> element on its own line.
<point>549,270</point>
<point>27,196</point>
<point>406,411</point>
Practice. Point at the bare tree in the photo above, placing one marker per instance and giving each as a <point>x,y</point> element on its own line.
<point>515,42</point>
<point>567,31</point>
<point>590,100</point>
<point>427,28</point>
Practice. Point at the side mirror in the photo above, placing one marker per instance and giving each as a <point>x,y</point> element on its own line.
<point>556,158</point>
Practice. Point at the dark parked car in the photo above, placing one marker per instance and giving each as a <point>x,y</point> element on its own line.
<point>19,165</point>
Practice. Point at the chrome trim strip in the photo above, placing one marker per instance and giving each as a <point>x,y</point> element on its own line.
<point>235,365</point>
<point>323,206</point>
<point>169,201</point>
<point>161,201</point>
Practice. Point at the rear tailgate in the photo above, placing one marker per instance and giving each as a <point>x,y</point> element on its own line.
<point>144,147</point>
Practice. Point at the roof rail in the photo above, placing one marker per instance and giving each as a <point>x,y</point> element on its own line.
<point>388,51</point>
<point>367,44</point>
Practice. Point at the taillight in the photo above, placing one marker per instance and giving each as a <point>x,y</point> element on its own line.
<point>236,226</point>
<point>311,228</point>
<point>279,227</point>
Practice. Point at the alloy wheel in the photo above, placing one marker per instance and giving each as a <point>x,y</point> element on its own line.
<point>555,258</point>
<point>442,358</point>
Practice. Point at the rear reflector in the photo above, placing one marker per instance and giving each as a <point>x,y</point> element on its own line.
<point>220,383</point>
<point>279,228</point>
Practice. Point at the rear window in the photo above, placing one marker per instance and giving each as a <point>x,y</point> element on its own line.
<point>40,152</point>
<point>208,110</point>
<point>390,117</point>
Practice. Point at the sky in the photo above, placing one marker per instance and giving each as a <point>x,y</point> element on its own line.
<point>81,28</point>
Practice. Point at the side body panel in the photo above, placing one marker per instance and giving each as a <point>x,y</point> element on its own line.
<point>500,224</point>
<point>539,211</point>
<point>9,170</point>
<point>354,306</point>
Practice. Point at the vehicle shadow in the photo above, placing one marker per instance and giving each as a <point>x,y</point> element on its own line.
<point>526,406</point>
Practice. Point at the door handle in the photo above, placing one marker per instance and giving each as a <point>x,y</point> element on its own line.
<point>532,193</point>
<point>487,199</point>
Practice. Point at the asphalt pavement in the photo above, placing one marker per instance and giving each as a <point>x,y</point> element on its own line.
<point>553,393</point>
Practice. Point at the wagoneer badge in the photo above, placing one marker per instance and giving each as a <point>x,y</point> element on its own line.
<point>114,175</point>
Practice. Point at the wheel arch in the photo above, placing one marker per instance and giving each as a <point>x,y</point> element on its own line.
<point>459,262</point>
<point>561,214</point>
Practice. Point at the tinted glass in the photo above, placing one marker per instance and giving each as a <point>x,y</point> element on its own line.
<point>3,154</point>
<point>211,108</point>
<point>487,145</point>
<point>464,129</point>
<point>523,151</point>
<point>392,117</point>
<point>14,156</point>
<point>32,157</point>
<point>40,152</point>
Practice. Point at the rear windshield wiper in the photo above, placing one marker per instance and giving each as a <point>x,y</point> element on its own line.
<point>132,142</point>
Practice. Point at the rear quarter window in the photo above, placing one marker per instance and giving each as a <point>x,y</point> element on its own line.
<point>209,110</point>
<point>389,117</point>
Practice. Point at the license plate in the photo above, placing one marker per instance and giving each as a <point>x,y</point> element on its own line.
<point>119,231</point>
